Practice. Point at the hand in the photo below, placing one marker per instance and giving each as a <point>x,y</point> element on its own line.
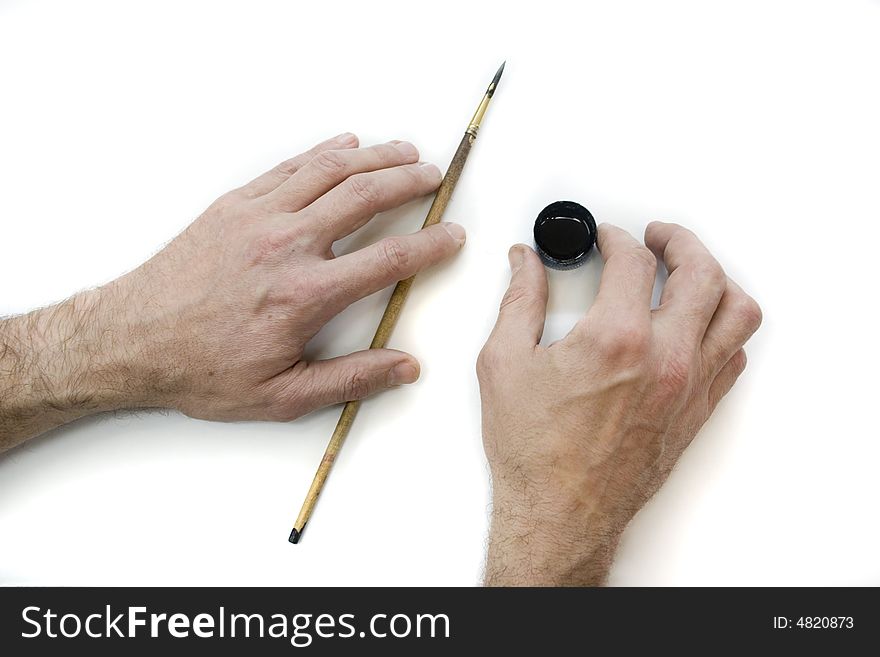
<point>580,434</point>
<point>215,324</point>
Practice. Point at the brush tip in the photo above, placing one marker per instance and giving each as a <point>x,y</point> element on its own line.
<point>500,71</point>
<point>296,534</point>
<point>495,80</point>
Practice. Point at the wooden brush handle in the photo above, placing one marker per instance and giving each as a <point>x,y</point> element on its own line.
<point>438,207</point>
<point>383,333</point>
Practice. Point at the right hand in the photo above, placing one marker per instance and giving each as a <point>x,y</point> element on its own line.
<point>580,434</point>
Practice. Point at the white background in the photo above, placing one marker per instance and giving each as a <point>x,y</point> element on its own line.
<point>755,122</point>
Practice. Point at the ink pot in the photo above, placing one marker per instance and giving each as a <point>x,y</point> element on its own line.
<point>565,233</point>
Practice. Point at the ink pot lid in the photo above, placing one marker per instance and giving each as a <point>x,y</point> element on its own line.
<point>565,233</point>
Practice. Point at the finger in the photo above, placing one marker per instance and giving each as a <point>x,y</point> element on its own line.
<point>696,281</point>
<point>627,281</point>
<point>353,203</point>
<point>277,175</point>
<point>524,305</point>
<point>312,385</point>
<point>393,259</point>
<point>737,318</point>
<point>726,378</point>
<point>330,167</point>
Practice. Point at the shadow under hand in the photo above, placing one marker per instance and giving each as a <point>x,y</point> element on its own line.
<point>571,295</point>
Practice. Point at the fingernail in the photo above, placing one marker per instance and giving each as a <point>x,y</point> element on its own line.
<point>346,138</point>
<point>515,257</point>
<point>402,373</point>
<point>406,149</point>
<point>431,169</point>
<point>455,230</point>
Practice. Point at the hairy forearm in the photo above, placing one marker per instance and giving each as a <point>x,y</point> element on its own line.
<point>66,361</point>
<point>545,540</point>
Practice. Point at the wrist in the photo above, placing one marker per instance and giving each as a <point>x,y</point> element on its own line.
<point>82,356</point>
<point>45,379</point>
<point>543,536</point>
<point>100,350</point>
<point>132,353</point>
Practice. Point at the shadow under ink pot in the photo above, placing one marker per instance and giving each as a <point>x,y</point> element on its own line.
<point>565,233</point>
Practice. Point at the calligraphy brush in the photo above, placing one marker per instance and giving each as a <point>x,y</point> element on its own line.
<point>392,311</point>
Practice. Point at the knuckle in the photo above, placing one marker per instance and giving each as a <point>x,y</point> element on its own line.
<point>515,295</point>
<point>674,377</point>
<point>393,255</point>
<point>629,342</point>
<point>643,257</point>
<point>708,272</point>
<point>739,361</point>
<point>415,175</point>
<point>289,167</point>
<point>356,385</point>
<point>679,240</point>
<point>637,257</point>
<point>280,404</point>
<point>748,311</point>
<point>313,293</point>
<point>330,162</point>
<point>653,227</point>
<point>652,230</point>
<point>268,245</point>
<point>365,189</point>
<point>386,153</point>
<point>680,237</point>
<point>487,360</point>
<point>226,202</point>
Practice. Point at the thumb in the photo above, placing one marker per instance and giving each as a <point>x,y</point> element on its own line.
<point>524,306</point>
<point>312,385</point>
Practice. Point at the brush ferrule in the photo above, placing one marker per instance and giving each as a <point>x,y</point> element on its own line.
<point>474,125</point>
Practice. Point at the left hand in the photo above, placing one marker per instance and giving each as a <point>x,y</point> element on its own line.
<point>216,323</point>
